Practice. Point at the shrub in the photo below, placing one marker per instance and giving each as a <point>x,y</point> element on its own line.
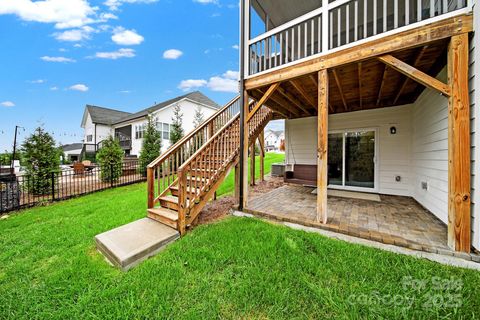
<point>151,145</point>
<point>176,132</point>
<point>42,162</point>
<point>110,159</point>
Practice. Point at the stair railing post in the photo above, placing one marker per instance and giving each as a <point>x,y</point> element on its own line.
<point>182,200</point>
<point>150,187</point>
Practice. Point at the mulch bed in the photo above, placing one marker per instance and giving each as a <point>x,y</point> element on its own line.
<point>220,208</point>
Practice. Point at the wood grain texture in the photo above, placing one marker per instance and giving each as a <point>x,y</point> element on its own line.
<point>322,132</point>
<point>459,188</point>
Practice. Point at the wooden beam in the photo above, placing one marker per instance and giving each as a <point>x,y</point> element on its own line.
<point>252,164</point>
<point>416,37</point>
<point>246,144</point>
<point>459,187</point>
<point>339,86</point>
<point>322,136</point>
<point>384,78</point>
<point>360,97</point>
<point>303,93</point>
<point>293,100</point>
<point>405,82</point>
<point>274,106</point>
<point>314,80</point>
<point>262,101</point>
<point>237,181</point>
<point>286,107</point>
<point>415,74</point>
<point>261,142</point>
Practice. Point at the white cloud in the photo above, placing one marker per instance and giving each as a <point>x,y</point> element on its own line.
<point>125,91</point>
<point>115,4</point>
<point>235,46</point>
<point>227,82</point>
<point>172,54</point>
<point>7,104</point>
<point>54,88</point>
<point>79,87</point>
<point>125,37</point>
<point>57,59</point>
<point>120,53</point>
<point>206,1</point>
<point>75,35</point>
<point>65,14</point>
<point>38,81</point>
<point>187,85</point>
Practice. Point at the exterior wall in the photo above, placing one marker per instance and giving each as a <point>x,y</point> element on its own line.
<point>475,126</point>
<point>430,151</point>
<point>165,115</point>
<point>103,131</point>
<point>393,151</point>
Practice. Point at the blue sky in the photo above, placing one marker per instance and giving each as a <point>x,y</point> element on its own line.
<point>57,56</point>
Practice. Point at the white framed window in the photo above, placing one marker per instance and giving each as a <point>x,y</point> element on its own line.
<point>164,129</point>
<point>140,130</point>
<point>89,138</point>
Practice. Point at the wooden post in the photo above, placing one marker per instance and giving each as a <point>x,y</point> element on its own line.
<point>150,187</point>
<point>459,146</point>
<point>261,141</point>
<point>244,185</point>
<point>182,201</point>
<point>322,136</point>
<point>252,164</point>
<point>237,181</point>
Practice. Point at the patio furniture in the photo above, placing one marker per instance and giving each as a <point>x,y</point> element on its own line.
<point>79,168</point>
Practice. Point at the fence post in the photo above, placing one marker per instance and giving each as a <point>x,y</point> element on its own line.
<point>111,175</point>
<point>53,185</point>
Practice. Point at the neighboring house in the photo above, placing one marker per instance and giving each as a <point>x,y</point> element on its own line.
<point>128,128</point>
<point>72,151</point>
<point>273,139</point>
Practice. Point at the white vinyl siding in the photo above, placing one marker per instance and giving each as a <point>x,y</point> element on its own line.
<point>475,128</point>
<point>393,158</point>
<point>430,151</point>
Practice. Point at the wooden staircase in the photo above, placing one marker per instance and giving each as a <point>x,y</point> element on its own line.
<point>183,179</point>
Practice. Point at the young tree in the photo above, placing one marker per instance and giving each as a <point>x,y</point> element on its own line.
<point>42,161</point>
<point>151,146</point>
<point>176,130</point>
<point>198,117</point>
<point>110,158</point>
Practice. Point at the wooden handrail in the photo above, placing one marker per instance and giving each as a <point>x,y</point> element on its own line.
<point>175,147</point>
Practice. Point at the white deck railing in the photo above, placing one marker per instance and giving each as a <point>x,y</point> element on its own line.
<point>340,24</point>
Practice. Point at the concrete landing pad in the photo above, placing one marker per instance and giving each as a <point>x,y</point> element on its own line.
<point>128,245</point>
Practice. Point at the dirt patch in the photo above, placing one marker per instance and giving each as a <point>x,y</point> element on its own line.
<point>216,210</point>
<point>268,185</point>
<point>220,208</point>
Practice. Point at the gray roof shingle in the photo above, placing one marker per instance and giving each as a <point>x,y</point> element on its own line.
<point>196,96</point>
<point>106,116</point>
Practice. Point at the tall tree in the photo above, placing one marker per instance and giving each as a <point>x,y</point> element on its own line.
<point>42,161</point>
<point>110,157</point>
<point>176,130</point>
<point>198,117</point>
<point>151,145</point>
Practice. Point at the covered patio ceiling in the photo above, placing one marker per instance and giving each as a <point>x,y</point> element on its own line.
<point>368,84</point>
<point>282,11</point>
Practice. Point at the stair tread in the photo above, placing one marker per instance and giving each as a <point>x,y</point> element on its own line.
<point>170,198</point>
<point>167,213</point>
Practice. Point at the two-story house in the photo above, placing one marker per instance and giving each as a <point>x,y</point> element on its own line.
<point>273,139</point>
<point>99,123</point>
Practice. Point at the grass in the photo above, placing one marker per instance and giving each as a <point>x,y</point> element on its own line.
<point>228,185</point>
<point>236,268</point>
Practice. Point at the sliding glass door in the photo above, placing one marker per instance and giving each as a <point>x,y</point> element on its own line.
<point>351,159</point>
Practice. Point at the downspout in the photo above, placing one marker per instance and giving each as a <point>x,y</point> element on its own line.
<point>95,139</point>
<point>242,102</point>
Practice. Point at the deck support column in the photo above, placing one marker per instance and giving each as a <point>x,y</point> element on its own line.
<point>261,142</point>
<point>244,160</point>
<point>237,181</point>
<point>459,187</point>
<point>252,164</point>
<point>322,146</point>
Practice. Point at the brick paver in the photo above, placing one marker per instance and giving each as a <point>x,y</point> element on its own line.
<point>393,220</point>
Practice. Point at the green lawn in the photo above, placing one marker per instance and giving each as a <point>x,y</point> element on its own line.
<point>236,268</point>
<point>228,185</point>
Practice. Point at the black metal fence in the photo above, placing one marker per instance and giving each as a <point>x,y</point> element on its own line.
<point>23,191</point>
